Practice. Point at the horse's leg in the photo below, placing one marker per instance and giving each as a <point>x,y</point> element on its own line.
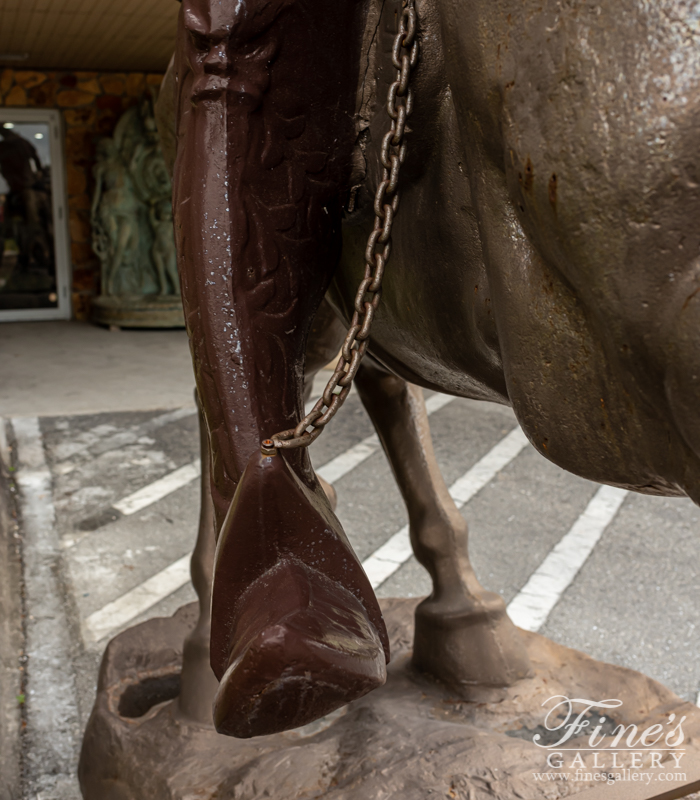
<point>463,635</point>
<point>198,683</point>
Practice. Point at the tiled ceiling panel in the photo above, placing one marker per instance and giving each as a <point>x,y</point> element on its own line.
<point>99,35</point>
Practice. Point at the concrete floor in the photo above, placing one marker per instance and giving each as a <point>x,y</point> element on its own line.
<point>54,368</point>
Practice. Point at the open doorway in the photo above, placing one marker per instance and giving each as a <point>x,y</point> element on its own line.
<point>34,262</point>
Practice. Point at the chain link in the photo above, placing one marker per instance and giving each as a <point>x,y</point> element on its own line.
<point>386,203</point>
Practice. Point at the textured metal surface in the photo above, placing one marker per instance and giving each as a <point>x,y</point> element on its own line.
<point>550,256</point>
<point>549,260</point>
<point>386,203</point>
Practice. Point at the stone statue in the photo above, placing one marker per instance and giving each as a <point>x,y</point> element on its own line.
<point>132,226</point>
<point>544,255</point>
<point>114,217</point>
<point>163,249</point>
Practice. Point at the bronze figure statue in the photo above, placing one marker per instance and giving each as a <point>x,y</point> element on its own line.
<point>534,263</point>
<point>544,255</point>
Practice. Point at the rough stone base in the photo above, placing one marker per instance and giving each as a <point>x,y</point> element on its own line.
<point>138,311</point>
<point>411,739</point>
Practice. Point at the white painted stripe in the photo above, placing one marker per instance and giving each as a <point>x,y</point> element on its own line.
<point>117,614</point>
<point>159,489</point>
<point>51,706</point>
<point>331,471</point>
<point>385,561</point>
<point>535,601</point>
<point>120,612</point>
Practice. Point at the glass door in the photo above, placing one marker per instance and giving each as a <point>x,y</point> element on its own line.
<point>34,264</point>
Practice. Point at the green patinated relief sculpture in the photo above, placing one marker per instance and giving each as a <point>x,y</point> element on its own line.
<point>132,227</point>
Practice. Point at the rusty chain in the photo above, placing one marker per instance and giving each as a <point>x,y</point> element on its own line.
<point>386,202</point>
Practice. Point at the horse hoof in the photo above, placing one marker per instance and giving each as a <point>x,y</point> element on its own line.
<point>473,647</point>
<point>304,646</point>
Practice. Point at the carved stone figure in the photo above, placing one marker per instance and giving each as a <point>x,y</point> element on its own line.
<point>163,249</point>
<point>544,254</point>
<point>132,226</point>
<point>114,217</point>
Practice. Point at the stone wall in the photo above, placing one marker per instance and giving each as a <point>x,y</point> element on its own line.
<point>91,103</point>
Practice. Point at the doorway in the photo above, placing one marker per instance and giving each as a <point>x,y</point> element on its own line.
<point>34,256</point>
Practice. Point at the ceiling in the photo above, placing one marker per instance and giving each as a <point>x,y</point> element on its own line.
<point>120,35</point>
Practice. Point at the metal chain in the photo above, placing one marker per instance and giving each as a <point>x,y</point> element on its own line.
<point>386,203</point>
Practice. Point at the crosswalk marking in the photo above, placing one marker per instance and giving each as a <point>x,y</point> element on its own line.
<point>530,608</point>
<point>169,483</point>
<point>342,464</point>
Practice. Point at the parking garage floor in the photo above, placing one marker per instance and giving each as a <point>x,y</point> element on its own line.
<point>100,434</point>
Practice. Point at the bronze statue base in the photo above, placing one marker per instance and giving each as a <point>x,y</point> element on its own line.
<point>138,311</point>
<point>410,739</point>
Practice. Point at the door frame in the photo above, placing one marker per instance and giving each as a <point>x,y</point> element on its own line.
<point>59,204</point>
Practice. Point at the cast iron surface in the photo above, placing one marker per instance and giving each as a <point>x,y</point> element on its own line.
<point>546,254</point>
<point>548,245</point>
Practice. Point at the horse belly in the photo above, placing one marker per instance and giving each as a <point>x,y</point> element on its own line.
<point>580,125</point>
<point>496,291</point>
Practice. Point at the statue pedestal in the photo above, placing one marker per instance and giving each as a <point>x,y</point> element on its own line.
<point>411,739</point>
<point>138,311</point>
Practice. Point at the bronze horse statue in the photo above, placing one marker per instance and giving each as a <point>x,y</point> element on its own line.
<point>545,254</point>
